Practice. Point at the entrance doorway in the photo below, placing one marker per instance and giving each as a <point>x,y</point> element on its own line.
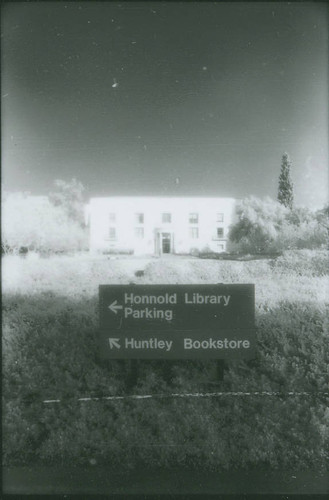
<point>166,243</point>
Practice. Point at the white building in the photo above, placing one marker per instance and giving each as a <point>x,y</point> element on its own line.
<point>159,225</point>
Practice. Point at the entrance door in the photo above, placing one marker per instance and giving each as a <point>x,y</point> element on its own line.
<point>166,242</point>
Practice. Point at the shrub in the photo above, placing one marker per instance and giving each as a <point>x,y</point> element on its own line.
<point>308,235</point>
<point>117,251</point>
<point>268,227</point>
<point>258,225</point>
<point>34,223</point>
<point>69,196</point>
<point>195,252</point>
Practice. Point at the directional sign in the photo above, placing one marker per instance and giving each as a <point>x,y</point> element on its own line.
<point>177,321</point>
<point>188,344</point>
<point>114,307</point>
<point>114,343</point>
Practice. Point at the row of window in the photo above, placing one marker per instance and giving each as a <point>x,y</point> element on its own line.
<point>139,233</point>
<point>193,218</point>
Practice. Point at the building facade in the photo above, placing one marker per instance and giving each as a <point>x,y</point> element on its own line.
<point>159,225</point>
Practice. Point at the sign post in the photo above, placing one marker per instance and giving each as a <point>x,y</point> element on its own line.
<point>177,321</point>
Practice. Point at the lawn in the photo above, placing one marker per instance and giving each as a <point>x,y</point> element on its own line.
<point>50,322</point>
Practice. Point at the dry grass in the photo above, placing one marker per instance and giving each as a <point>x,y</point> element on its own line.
<point>49,351</point>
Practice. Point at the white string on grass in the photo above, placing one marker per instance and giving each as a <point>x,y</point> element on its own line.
<point>192,395</point>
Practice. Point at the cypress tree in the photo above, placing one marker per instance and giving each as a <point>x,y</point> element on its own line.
<point>285,193</point>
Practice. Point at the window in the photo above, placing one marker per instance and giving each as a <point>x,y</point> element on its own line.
<point>112,217</point>
<point>193,218</point>
<point>194,233</point>
<point>220,232</point>
<point>139,232</point>
<point>220,217</point>
<point>112,233</point>
<point>139,218</point>
<point>166,217</point>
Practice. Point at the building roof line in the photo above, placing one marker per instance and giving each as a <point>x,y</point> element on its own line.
<point>130,197</point>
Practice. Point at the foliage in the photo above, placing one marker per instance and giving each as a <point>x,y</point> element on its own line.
<point>299,215</point>
<point>69,196</point>
<point>322,216</point>
<point>265,226</point>
<point>118,251</point>
<point>308,235</point>
<point>50,352</point>
<point>33,222</point>
<point>306,262</point>
<point>258,224</point>
<point>285,192</point>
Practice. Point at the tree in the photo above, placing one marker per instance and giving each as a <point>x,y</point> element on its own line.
<point>322,216</point>
<point>285,194</point>
<point>36,224</point>
<point>300,215</point>
<point>266,226</point>
<point>259,222</point>
<point>69,196</point>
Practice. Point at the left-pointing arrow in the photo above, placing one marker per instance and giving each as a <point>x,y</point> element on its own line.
<point>115,306</point>
<point>114,343</point>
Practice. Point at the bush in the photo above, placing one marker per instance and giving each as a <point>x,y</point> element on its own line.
<point>258,225</point>
<point>194,252</point>
<point>32,222</point>
<point>265,226</point>
<point>215,255</point>
<point>69,196</point>
<point>118,251</point>
<point>306,235</point>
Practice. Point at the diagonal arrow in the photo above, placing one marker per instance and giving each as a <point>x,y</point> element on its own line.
<point>114,343</point>
<point>114,306</point>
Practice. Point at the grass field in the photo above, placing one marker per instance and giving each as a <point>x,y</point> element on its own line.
<point>50,321</point>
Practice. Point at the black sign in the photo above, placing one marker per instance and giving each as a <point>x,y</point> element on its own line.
<point>177,321</point>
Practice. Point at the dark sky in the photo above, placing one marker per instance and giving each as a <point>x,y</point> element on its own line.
<point>129,97</point>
